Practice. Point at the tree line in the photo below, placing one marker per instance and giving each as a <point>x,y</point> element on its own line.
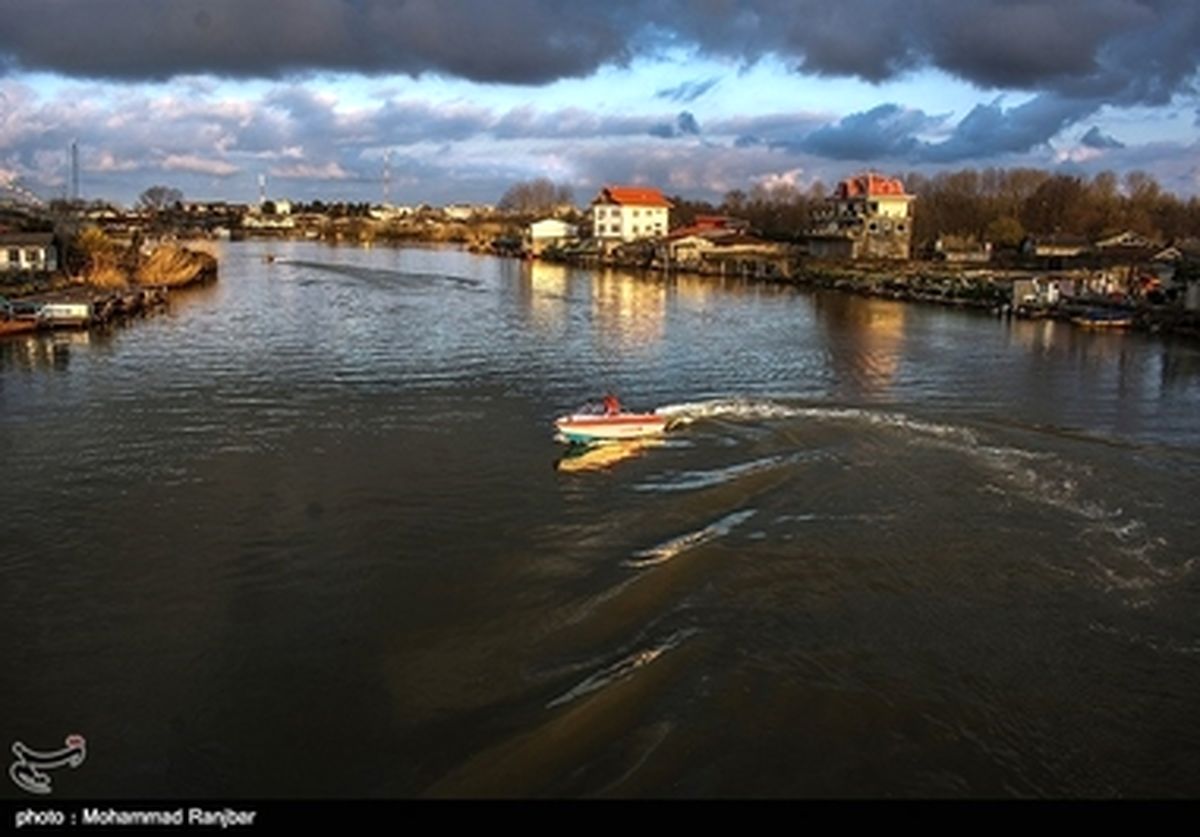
<point>1000,206</point>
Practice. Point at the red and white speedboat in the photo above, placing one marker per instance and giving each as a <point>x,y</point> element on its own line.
<point>586,428</point>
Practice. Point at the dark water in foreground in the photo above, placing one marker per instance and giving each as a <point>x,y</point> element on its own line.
<point>308,535</point>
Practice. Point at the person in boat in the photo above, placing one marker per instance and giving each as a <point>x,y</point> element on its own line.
<point>612,406</point>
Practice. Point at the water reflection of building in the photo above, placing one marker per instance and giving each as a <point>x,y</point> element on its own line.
<point>43,351</point>
<point>1037,335</point>
<point>547,294</point>
<point>866,339</point>
<point>627,311</point>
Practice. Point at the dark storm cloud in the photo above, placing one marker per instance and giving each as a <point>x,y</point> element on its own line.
<point>518,41</point>
<point>1095,138</point>
<point>883,131</point>
<point>1125,51</point>
<point>990,129</point>
<point>772,129</point>
<point>688,91</point>
<point>889,131</point>
<point>685,125</point>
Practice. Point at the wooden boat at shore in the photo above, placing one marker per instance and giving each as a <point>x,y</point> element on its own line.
<point>17,326</point>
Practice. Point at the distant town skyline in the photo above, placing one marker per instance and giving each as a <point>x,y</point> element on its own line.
<point>696,98</point>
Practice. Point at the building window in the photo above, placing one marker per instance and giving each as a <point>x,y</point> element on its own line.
<point>33,256</point>
<point>873,227</point>
<point>899,228</point>
<point>14,256</point>
<point>636,213</point>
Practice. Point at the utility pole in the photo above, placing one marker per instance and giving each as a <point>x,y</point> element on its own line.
<point>75,171</point>
<point>387,178</point>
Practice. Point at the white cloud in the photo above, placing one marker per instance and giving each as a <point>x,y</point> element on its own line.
<point>310,171</point>
<point>198,165</point>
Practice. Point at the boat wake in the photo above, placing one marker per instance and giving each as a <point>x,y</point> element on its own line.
<point>623,668</point>
<point>1124,553</point>
<point>694,480</point>
<point>675,546</point>
<point>752,409</point>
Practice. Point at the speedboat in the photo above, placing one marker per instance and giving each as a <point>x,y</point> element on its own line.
<point>584,428</point>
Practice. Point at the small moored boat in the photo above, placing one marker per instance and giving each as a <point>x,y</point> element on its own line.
<point>1103,319</point>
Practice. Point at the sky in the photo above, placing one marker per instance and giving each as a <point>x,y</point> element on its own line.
<point>459,99</point>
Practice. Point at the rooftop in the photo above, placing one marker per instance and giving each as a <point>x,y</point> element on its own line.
<point>869,184</point>
<point>26,238</point>
<point>632,196</point>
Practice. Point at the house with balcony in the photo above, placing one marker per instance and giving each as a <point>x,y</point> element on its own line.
<point>621,214</point>
<point>868,216</point>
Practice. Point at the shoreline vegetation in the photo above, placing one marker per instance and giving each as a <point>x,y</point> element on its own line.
<point>117,282</point>
<point>109,283</point>
<point>1102,252</point>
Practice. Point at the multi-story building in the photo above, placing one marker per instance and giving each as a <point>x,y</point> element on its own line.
<point>627,213</point>
<point>869,216</point>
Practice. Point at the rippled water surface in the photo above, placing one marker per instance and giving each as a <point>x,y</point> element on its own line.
<point>309,534</point>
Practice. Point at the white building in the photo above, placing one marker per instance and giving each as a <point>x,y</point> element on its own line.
<point>33,252</point>
<point>549,232</point>
<point>867,217</point>
<point>627,213</point>
<point>467,211</point>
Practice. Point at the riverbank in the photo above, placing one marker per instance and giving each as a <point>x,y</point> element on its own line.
<point>986,289</point>
<point>104,293</point>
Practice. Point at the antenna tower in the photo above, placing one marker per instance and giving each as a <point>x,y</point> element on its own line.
<point>74,171</point>
<point>387,177</point>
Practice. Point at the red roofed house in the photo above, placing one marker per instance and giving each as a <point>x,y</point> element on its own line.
<point>626,213</point>
<point>868,216</point>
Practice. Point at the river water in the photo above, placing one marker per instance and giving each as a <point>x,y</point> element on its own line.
<point>309,534</point>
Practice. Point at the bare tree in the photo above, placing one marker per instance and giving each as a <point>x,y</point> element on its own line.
<point>158,198</point>
<point>532,197</point>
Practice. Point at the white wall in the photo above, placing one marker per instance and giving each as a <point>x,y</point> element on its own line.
<point>628,223</point>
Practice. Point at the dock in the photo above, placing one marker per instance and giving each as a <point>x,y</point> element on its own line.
<point>77,308</point>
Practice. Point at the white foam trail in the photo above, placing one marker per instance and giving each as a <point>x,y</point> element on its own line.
<point>666,551</point>
<point>1128,557</point>
<point>750,409</point>
<point>1154,643</point>
<point>621,669</point>
<point>692,480</point>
